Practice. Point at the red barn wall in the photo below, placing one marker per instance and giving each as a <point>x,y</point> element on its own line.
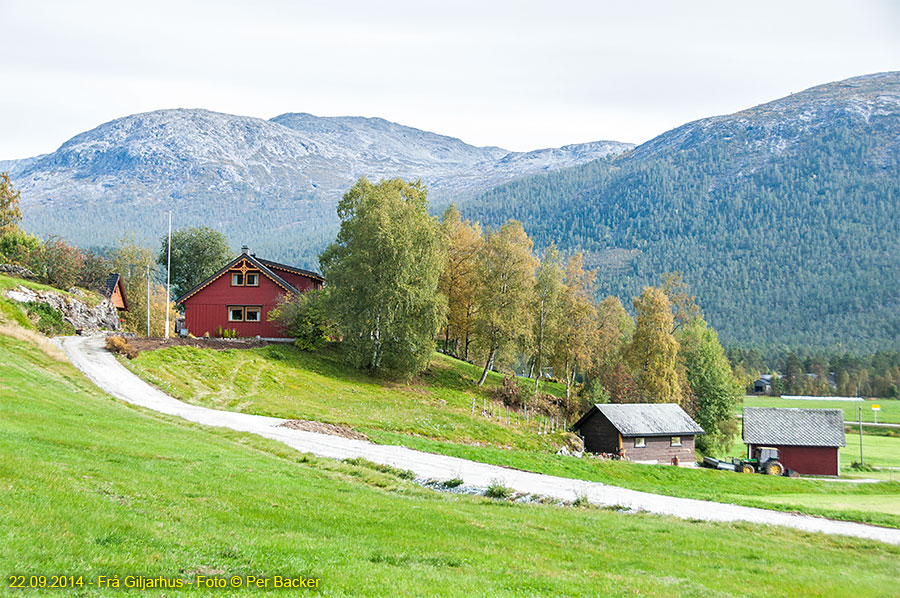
<point>208,308</point>
<point>813,460</point>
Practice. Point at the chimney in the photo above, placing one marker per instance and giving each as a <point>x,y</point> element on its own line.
<point>245,250</point>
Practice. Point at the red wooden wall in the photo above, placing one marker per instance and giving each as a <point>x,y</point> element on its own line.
<point>208,308</point>
<point>814,460</point>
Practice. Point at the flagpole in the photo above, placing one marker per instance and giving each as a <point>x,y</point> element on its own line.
<point>168,274</point>
<point>148,300</point>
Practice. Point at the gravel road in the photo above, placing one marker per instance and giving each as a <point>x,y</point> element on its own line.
<point>89,355</point>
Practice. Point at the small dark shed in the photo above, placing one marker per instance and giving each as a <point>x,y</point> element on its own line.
<point>808,440</point>
<point>644,432</point>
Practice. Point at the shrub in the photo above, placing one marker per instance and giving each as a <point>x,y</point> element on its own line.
<point>857,466</point>
<point>118,344</point>
<point>509,392</point>
<point>454,483</point>
<point>16,247</point>
<point>48,321</point>
<point>302,317</point>
<point>57,263</point>
<point>226,332</point>
<point>403,474</point>
<point>498,490</point>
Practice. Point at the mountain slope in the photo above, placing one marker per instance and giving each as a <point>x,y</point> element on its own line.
<point>273,184</point>
<point>783,218</point>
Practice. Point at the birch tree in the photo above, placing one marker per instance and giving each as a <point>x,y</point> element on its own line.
<point>653,351</point>
<point>575,331</point>
<point>548,289</point>
<point>506,281</point>
<point>382,272</point>
<point>459,281</point>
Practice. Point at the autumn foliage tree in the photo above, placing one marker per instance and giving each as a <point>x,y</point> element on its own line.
<point>575,330</point>
<point>652,354</point>
<point>10,214</point>
<point>548,289</point>
<point>506,281</point>
<point>459,280</point>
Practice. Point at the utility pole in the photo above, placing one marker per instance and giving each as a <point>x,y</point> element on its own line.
<point>168,272</point>
<point>148,300</point>
<point>859,416</point>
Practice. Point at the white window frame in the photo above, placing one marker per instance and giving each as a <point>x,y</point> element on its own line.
<point>640,442</point>
<point>232,308</point>
<point>673,439</point>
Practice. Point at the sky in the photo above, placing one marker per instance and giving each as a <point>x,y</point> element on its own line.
<point>520,75</point>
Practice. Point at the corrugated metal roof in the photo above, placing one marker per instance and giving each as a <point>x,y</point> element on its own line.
<point>646,419</point>
<point>792,426</point>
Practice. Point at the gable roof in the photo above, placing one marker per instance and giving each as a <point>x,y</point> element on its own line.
<point>109,287</point>
<point>645,419</point>
<point>257,263</point>
<point>792,426</point>
<point>270,264</point>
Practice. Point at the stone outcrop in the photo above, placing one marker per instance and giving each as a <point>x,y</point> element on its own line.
<point>77,313</point>
<point>20,271</point>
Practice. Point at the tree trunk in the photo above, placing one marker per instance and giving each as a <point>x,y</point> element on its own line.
<point>487,367</point>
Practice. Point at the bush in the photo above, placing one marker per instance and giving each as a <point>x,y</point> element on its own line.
<point>226,332</point>
<point>118,344</point>
<point>498,490</point>
<point>303,317</point>
<point>17,246</point>
<point>857,466</point>
<point>454,483</point>
<point>509,392</point>
<point>48,320</point>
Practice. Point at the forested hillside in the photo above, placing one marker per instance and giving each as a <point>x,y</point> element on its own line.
<point>783,218</point>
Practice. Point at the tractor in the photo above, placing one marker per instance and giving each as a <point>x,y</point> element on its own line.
<point>765,460</point>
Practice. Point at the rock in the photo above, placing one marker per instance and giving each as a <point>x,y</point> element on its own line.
<point>104,316</point>
<point>76,291</point>
<point>20,271</point>
<point>564,452</point>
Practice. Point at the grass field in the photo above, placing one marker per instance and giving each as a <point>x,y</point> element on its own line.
<point>281,381</point>
<point>889,413</point>
<point>91,486</point>
<point>284,382</point>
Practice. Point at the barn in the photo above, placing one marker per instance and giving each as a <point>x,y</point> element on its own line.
<point>808,440</point>
<point>641,432</point>
<point>240,296</point>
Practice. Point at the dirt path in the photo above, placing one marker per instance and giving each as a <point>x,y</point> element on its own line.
<point>89,355</point>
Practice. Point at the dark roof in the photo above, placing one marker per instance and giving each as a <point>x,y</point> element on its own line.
<point>791,426</point>
<point>260,264</point>
<point>109,287</point>
<point>299,271</point>
<point>645,419</point>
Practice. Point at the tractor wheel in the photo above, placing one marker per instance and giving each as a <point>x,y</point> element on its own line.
<point>774,468</point>
<point>747,468</point>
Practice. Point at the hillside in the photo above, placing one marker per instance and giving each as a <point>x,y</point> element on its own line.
<point>274,183</point>
<point>138,493</point>
<point>783,217</point>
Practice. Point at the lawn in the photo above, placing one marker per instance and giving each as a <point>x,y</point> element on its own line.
<point>282,381</point>
<point>888,414</point>
<point>433,414</point>
<point>92,486</point>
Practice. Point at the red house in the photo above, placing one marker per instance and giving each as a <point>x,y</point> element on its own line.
<point>241,295</point>
<point>808,440</point>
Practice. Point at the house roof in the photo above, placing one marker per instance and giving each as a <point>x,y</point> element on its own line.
<point>261,265</point>
<point>109,287</point>
<point>645,419</point>
<point>300,271</point>
<point>791,426</point>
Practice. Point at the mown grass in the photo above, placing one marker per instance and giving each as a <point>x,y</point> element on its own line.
<point>828,498</point>
<point>91,486</point>
<point>878,451</point>
<point>888,414</point>
<point>282,381</point>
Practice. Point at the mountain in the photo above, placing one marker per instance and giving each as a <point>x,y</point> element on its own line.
<point>272,183</point>
<point>783,218</point>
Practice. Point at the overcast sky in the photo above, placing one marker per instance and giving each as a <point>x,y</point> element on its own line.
<point>521,75</point>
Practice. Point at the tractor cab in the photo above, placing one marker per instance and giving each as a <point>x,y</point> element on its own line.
<point>764,460</point>
<point>764,454</point>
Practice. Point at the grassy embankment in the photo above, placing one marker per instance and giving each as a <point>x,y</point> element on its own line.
<point>434,414</point>
<point>92,487</point>
<point>38,317</point>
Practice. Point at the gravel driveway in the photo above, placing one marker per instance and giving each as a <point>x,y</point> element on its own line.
<point>89,355</point>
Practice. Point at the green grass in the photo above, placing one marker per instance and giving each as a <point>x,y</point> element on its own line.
<point>17,313</point>
<point>829,497</point>
<point>282,381</point>
<point>878,451</point>
<point>91,486</point>
<point>889,413</point>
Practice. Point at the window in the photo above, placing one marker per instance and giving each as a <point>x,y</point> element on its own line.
<point>252,279</point>
<point>640,442</point>
<point>235,313</point>
<point>676,441</point>
<point>237,280</point>
<point>251,314</point>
